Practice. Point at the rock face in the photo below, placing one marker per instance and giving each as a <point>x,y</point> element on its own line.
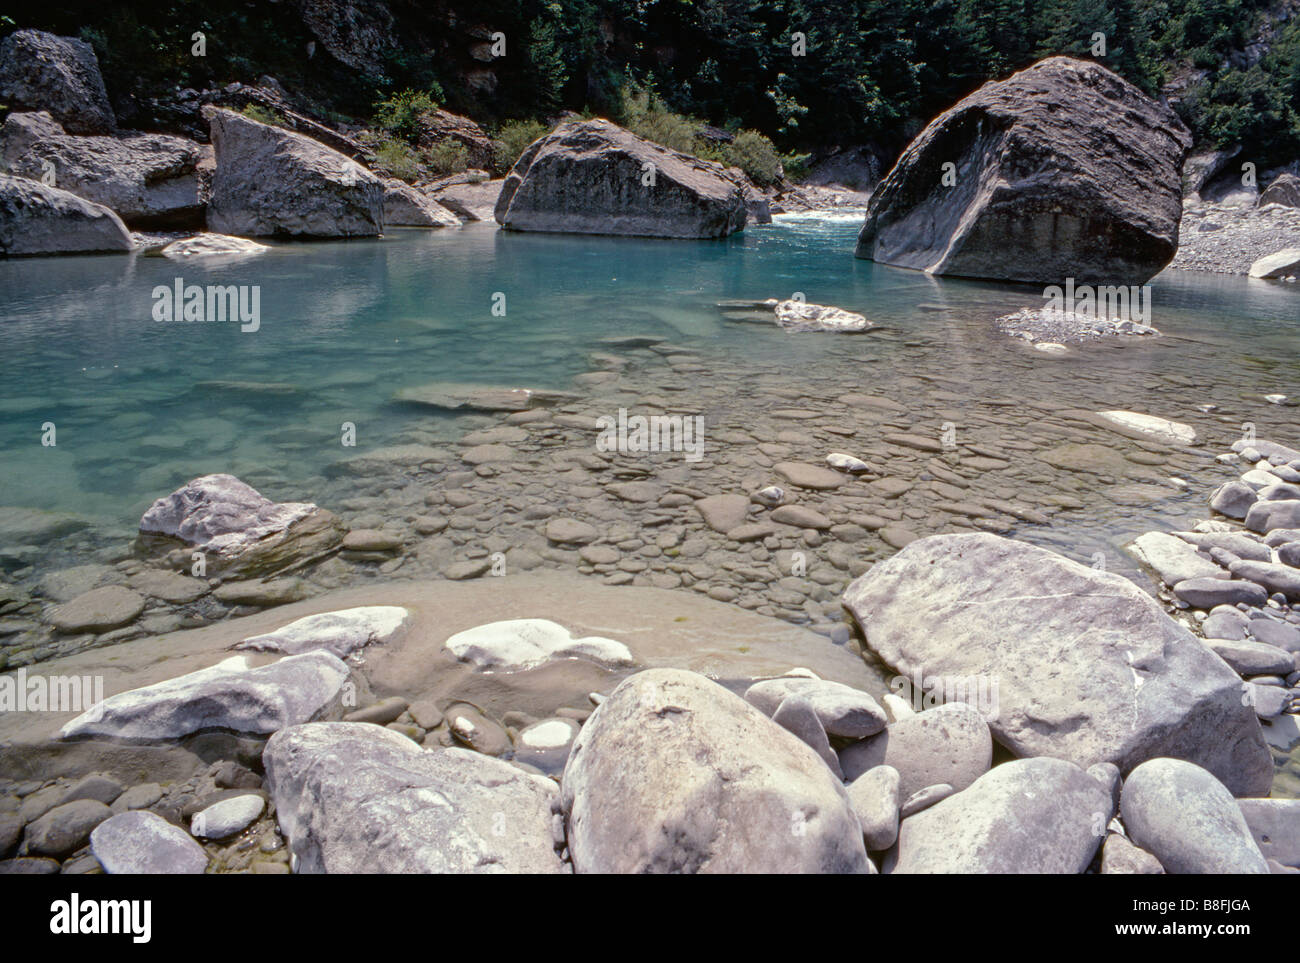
<point>673,773</point>
<point>1188,820</point>
<point>241,529</point>
<point>1064,170</point>
<point>39,71</point>
<point>272,181</point>
<point>594,177</point>
<point>228,695</point>
<point>1088,667</point>
<point>358,798</point>
<point>1027,816</point>
<point>35,219</point>
<point>151,181</point>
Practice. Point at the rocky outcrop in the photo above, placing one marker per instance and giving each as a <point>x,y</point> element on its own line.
<point>35,219</point>
<point>39,71</point>
<point>1284,190</point>
<point>594,177</point>
<point>272,181</point>
<point>151,181</point>
<point>229,695</point>
<point>1087,666</point>
<point>404,206</point>
<point>358,798</point>
<point>240,529</point>
<point>1064,170</point>
<point>438,126</point>
<point>673,773</point>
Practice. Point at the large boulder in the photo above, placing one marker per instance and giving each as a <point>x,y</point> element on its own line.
<point>272,181</point>
<point>673,773</point>
<point>1282,264</point>
<point>1188,820</point>
<point>149,180</point>
<point>239,529</point>
<point>1087,666</point>
<point>143,842</point>
<point>352,797</point>
<point>39,71</point>
<point>35,219</point>
<point>229,695</point>
<point>1064,170</point>
<point>594,177</point>
<point>1025,816</point>
<point>404,206</point>
<point>1284,190</point>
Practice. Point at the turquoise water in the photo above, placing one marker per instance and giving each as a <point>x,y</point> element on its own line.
<point>139,406</point>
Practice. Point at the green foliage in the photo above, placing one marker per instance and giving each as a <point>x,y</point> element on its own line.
<point>399,159</point>
<point>512,139</point>
<point>262,115</point>
<point>402,114</point>
<point>446,157</point>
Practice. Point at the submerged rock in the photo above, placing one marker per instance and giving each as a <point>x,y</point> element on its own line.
<point>212,245</point>
<point>1087,666</point>
<point>673,773</point>
<point>594,177</point>
<point>1064,170</point>
<point>35,219</point>
<point>358,798</point>
<point>802,316</point>
<point>229,695</point>
<point>272,181</point>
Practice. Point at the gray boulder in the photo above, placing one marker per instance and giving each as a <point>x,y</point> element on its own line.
<point>272,181</point>
<point>1275,825</point>
<point>594,177</point>
<point>35,219</point>
<point>843,710</point>
<point>673,773</point>
<point>240,529</point>
<point>358,798</point>
<point>1265,516</point>
<point>1064,170</point>
<point>1284,190</point>
<point>341,633</point>
<point>228,695</point>
<point>65,828</point>
<point>1119,857</point>
<point>876,799</point>
<point>404,206</point>
<point>947,744</point>
<point>143,842</point>
<point>1281,264</point>
<point>1188,820</point>
<point>227,817</point>
<point>1233,499</point>
<point>39,71</point>
<point>150,181</point>
<point>1026,816</point>
<point>1089,668</point>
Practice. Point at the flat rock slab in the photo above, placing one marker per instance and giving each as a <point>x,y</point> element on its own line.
<point>1026,816</point>
<point>814,477</point>
<point>340,633</point>
<point>358,798</point>
<point>673,773</point>
<point>522,643</point>
<point>229,695</point>
<point>1088,667</point>
<point>143,842</point>
<point>98,610</point>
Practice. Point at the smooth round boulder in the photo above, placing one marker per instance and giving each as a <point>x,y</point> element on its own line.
<point>143,842</point>
<point>949,744</point>
<point>674,773</point>
<point>1188,820</point>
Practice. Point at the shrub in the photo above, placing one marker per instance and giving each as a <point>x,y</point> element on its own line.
<point>262,115</point>
<point>447,157</point>
<point>512,139</point>
<point>398,159</point>
<point>756,156</point>
<point>401,114</point>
